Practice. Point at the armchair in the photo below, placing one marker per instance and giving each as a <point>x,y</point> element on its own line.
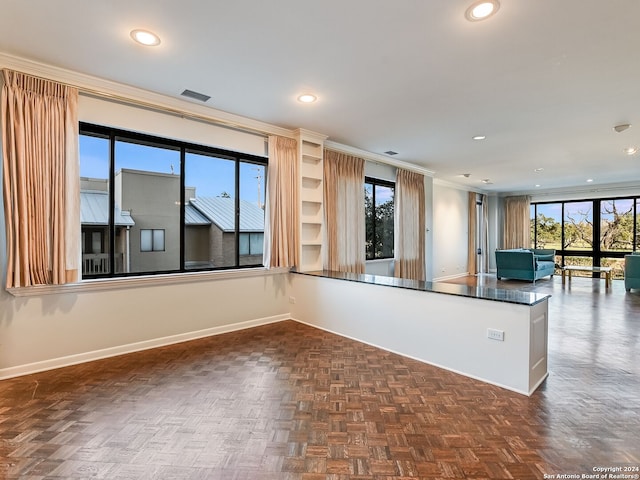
<point>632,271</point>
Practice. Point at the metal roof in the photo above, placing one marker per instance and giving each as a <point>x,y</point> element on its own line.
<point>221,211</point>
<point>192,216</point>
<point>94,210</point>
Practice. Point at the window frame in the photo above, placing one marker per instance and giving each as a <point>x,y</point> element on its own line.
<point>153,240</point>
<point>596,253</point>
<point>112,135</point>
<point>382,183</point>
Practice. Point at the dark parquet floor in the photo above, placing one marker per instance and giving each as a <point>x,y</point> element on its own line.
<point>287,401</point>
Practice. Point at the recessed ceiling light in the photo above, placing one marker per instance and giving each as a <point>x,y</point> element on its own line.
<point>538,170</point>
<point>391,152</point>
<point>482,10</point>
<point>631,150</point>
<point>307,98</point>
<point>145,37</point>
<point>537,185</point>
<point>622,127</point>
<point>486,181</point>
<point>589,180</point>
<point>479,137</point>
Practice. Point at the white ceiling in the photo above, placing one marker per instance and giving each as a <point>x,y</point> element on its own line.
<point>544,80</point>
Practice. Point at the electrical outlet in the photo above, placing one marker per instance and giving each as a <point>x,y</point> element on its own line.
<point>292,299</point>
<point>494,334</point>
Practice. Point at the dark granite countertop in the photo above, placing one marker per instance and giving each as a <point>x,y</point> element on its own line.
<point>485,293</point>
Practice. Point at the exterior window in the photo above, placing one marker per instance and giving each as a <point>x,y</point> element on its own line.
<point>152,240</point>
<point>185,203</point>
<point>595,232</point>
<point>251,243</point>
<point>378,198</point>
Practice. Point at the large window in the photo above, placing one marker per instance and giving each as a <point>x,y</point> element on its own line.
<point>595,232</point>
<point>154,205</point>
<point>378,197</point>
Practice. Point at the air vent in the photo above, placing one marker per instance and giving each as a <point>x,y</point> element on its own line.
<point>195,95</point>
<point>391,152</point>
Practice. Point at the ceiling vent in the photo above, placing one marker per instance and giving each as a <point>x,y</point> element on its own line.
<point>391,152</point>
<point>195,95</point>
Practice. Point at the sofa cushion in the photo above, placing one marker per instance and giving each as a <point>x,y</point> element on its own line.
<point>545,258</point>
<point>544,265</point>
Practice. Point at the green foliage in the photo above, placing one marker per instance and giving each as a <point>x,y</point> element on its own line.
<point>549,231</point>
<point>379,228</point>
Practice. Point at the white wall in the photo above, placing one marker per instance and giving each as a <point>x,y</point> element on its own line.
<point>450,231</point>
<point>42,332</point>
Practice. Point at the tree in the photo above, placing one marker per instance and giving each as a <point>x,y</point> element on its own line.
<point>378,227</point>
<point>616,228</point>
<point>549,231</point>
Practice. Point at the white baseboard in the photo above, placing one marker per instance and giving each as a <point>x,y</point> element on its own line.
<point>66,361</point>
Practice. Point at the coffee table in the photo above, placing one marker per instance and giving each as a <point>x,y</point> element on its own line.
<point>566,271</point>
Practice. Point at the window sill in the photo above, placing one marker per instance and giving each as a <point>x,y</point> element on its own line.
<point>143,281</point>
<point>380,260</point>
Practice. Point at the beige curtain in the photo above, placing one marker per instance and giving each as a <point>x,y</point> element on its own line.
<point>409,225</point>
<point>344,212</point>
<point>472,247</point>
<point>478,264</point>
<point>517,228</point>
<point>282,210</point>
<point>484,235</point>
<point>41,180</point>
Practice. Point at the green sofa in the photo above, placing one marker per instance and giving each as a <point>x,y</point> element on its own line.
<point>632,271</point>
<point>525,263</point>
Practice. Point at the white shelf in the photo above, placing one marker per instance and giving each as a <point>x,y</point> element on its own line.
<point>311,182</point>
<point>310,150</point>
<point>311,194</point>
<point>311,234</point>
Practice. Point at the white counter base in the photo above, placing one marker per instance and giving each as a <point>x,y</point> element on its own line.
<point>447,331</point>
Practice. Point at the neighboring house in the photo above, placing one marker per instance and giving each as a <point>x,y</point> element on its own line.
<point>94,218</point>
<point>220,212</point>
<point>147,219</point>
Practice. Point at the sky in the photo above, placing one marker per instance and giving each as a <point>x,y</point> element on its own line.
<point>210,176</point>
<point>578,210</point>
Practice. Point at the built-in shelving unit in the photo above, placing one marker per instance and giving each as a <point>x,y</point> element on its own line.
<point>310,148</point>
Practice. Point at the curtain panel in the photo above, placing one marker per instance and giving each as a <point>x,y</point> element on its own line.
<point>344,212</point>
<point>478,234</point>
<point>484,235</point>
<point>409,225</point>
<point>472,247</point>
<point>41,180</point>
<point>517,224</point>
<point>282,209</point>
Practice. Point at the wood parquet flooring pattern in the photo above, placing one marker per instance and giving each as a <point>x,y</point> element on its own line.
<point>289,402</point>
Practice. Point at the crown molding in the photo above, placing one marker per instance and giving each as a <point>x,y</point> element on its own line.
<point>310,135</point>
<point>459,186</point>
<point>108,89</point>
<point>377,158</point>
<point>581,192</point>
